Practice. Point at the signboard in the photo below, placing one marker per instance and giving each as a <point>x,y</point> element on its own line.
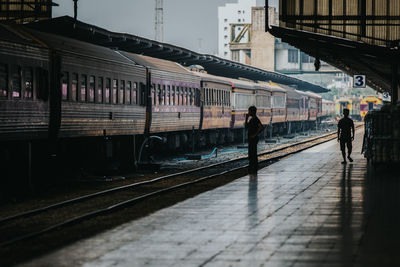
<point>359,81</point>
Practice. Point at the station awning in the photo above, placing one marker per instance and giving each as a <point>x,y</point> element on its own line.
<point>68,27</point>
<point>350,56</point>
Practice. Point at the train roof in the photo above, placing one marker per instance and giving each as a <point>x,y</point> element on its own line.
<point>156,63</point>
<point>291,92</point>
<point>327,101</point>
<point>78,47</point>
<point>314,94</point>
<point>240,84</point>
<point>212,78</point>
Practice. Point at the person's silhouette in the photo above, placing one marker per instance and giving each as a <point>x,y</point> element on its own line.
<point>254,127</point>
<point>346,135</point>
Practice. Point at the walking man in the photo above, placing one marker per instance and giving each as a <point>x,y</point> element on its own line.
<point>346,135</point>
<point>254,127</point>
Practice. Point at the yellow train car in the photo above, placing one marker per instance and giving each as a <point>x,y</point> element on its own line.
<point>352,104</point>
<point>343,103</point>
<point>369,103</point>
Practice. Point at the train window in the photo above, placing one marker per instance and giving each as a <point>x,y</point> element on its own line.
<point>74,86</point>
<point>279,101</point>
<point>184,97</point>
<point>191,96</point>
<point>153,93</point>
<point>28,80</point>
<point>114,91</point>
<point>121,92</point>
<point>158,94</point>
<point>3,80</point>
<point>173,95</point>
<point>180,95</point>
<point>188,96</point>
<point>142,94</point>
<point>99,96</point>
<point>134,93</point>
<point>166,95</point>
<point>91,88</point>
<point>162,101</point>
<point>108,90</point>
<point>83,88</point>
<point>198,97</point>
<point>167,99</point>
<point>16,82</point>
<point>177,93</point>
<point>169,93</point>
<point>213,97</point>
<point>64,85</point>
<point>128,92</point>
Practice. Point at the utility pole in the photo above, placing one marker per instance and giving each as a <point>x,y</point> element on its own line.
<point>75,9</point>
<point>159,21</point>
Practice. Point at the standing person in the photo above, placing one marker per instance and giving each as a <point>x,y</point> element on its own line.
<point>254,127</point>
<point>346,135</point>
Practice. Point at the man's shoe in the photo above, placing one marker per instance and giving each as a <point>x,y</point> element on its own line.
<point>344,162</point>
<point>350,159</point>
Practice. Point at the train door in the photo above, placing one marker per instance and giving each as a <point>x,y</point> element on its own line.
<point>370,105</point>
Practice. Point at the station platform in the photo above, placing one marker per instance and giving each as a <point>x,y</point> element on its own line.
<point>305,210</point>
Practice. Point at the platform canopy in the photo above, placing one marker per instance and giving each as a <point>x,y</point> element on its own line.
<point>356,36</point>
<point>68,27</point>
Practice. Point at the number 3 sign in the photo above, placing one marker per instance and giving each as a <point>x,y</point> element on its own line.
<point>359,81</point>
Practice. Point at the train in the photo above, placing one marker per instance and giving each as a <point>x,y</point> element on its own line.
<point>358,106</point>
<point>369,103</point>
<point>63,97</point>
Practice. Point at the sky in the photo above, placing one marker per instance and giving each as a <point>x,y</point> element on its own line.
<point>192,24</point>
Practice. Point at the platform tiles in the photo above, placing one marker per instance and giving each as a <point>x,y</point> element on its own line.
<point>305,210</point>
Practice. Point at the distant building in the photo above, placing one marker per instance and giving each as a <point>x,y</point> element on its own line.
<point>25,11</point>
<point>232,13</point>
<point>250,44</point>
<point>290,60</point>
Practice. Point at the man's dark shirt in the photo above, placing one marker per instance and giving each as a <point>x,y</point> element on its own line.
<point>346,125</point>
<point>252,126</point>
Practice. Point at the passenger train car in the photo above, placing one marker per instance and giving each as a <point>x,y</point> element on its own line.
<point>328,108</point>
<point>369,103</point>
<point>351,103</point>
<point>59,90</point>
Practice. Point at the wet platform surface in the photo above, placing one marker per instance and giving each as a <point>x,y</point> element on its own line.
<point>306,210</point>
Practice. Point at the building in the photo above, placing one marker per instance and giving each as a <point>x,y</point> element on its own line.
<point>290,60</point>
<point>232,13</point>
<point>250,44</point>
<point>25,11</point>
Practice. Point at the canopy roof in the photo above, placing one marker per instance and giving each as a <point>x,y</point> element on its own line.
<point>68,27</point>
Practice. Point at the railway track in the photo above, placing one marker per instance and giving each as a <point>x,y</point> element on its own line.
<point>34,223</point>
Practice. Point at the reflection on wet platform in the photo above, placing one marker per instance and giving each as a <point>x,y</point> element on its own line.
<point>305,210</point>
